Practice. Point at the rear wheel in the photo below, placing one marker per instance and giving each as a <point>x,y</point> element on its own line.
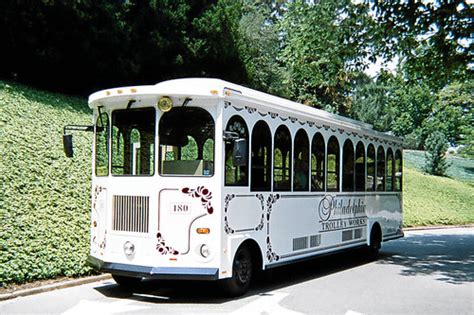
<point>375,243</point>
<point>127,282</point>
<point>242,273</point>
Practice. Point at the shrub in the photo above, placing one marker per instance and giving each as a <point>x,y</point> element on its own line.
<point>436,145</point>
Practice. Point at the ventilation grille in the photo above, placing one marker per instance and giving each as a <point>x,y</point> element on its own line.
<point>347,235</point>
<point>315,240</point>
<point>300,243</point>
<point>358,233</point>
<point>131,213</point>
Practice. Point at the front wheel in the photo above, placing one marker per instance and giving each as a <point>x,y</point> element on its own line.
<point>242,266</point>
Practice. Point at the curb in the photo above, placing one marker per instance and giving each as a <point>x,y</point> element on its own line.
<point>438,227</point>
<point>53,286</point>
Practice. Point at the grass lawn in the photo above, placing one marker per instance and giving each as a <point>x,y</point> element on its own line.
<point>434,200</point>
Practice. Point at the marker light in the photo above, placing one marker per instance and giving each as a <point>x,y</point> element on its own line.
<point>165,104</point>
<point>203,230</point>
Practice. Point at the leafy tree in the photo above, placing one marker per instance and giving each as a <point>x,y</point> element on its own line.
<point>436,146</point>
<point>324,46</point>
<point>431,37</point>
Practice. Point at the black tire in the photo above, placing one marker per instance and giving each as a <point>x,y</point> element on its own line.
<point>127,282</point>
<point>242,272</point>
<point>375,244</point>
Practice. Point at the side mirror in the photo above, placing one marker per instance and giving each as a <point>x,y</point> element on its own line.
<point>67,144</point>
<point>239,153</point>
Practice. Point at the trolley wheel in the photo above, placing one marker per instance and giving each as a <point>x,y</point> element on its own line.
<point>127,282</point>
<point>242,271</point>
<point>375,244</point>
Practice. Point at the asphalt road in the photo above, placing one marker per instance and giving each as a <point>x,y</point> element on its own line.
<point>427,272</point>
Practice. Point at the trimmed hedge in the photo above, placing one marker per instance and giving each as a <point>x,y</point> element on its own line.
<point>44,196</point>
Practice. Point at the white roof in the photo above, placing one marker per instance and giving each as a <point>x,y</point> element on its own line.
<point>210,88</point>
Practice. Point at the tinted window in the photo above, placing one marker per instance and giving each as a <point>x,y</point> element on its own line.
<point>317,162</point>
<point>398,170</point>
<point>360,167</point>
<point>333,164</point>
<point>261,157</point>
<point>380,169</point>
<point>390,171</point>
<point>348,166</point>
<point>282,160</point>
<point>370,168</point>
<point>235,175</point>
<point>301,171</point>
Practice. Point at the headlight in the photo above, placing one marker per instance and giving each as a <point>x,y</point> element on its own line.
<point>205,251</point>
<point>128,249</point>
<point>165,104</point>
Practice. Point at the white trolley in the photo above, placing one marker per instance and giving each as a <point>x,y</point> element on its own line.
<point>205,179</point>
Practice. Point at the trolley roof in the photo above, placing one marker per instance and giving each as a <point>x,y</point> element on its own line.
<point>196,88</point>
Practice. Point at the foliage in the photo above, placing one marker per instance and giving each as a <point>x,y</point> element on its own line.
<point>436,146</point>
<point>459,168</point>
<point>44,196</point>
<point>87,45</point>
<point>450,201</point>
<point>324,45</point>
<point>432,38</point>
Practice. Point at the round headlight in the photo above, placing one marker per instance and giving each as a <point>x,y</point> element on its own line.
<point>205,251</point>
<point>128,249</point>
<point>165,104</point>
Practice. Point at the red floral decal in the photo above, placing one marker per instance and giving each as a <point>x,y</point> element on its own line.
<point>162,248</point>
<point>203,193</point>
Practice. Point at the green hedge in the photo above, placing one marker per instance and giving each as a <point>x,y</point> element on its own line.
<point>44,196</point>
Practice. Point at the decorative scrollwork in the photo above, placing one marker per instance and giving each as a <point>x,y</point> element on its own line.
<point>203,193</point>
<point>162,248</point>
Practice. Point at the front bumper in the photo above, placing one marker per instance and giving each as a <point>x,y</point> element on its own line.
<point>163,273</point>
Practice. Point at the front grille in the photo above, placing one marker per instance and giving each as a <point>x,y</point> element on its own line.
<point>131,213</point>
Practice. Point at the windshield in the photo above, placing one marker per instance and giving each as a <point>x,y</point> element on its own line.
<point>186,136</point>
<point>133,141</point>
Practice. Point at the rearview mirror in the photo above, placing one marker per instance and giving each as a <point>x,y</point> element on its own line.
<point>239,152</point>
<point>67,144</point>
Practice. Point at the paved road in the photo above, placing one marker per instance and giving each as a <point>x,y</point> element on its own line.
<point>427,272</point>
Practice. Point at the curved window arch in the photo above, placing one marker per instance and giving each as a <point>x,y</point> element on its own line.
<point>371,169</point>
<point>380,183</point>
<point>236,175</point>
<point>301,167</point>
<point>360,167</point>
<point>317,162</point>
<point>261,157</point>
<point>332,172</point>
<point>282,163</point>
<point>348,166</point>
<point>390,171</point>
<point>398,170</point>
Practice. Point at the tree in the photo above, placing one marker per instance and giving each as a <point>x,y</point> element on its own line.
<point>324,46</point>
<point>436,146</point>
<point>431,37</point>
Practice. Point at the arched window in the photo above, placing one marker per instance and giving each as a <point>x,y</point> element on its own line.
<point>390,171</point>
<point>332,173</point>
<point>380,169</point>
<point>317,162</point>
<point>236,175</point>
<point>348,166</point>
<point>370,168</point>
<point>360,167</point>
<point>398,170</point>
<point>261,157</point>
<point>301,170</point>
<point>282,160</point>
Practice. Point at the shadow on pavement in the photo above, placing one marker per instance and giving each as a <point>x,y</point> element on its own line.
<point>450,257</point>
<point>166,291</point>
